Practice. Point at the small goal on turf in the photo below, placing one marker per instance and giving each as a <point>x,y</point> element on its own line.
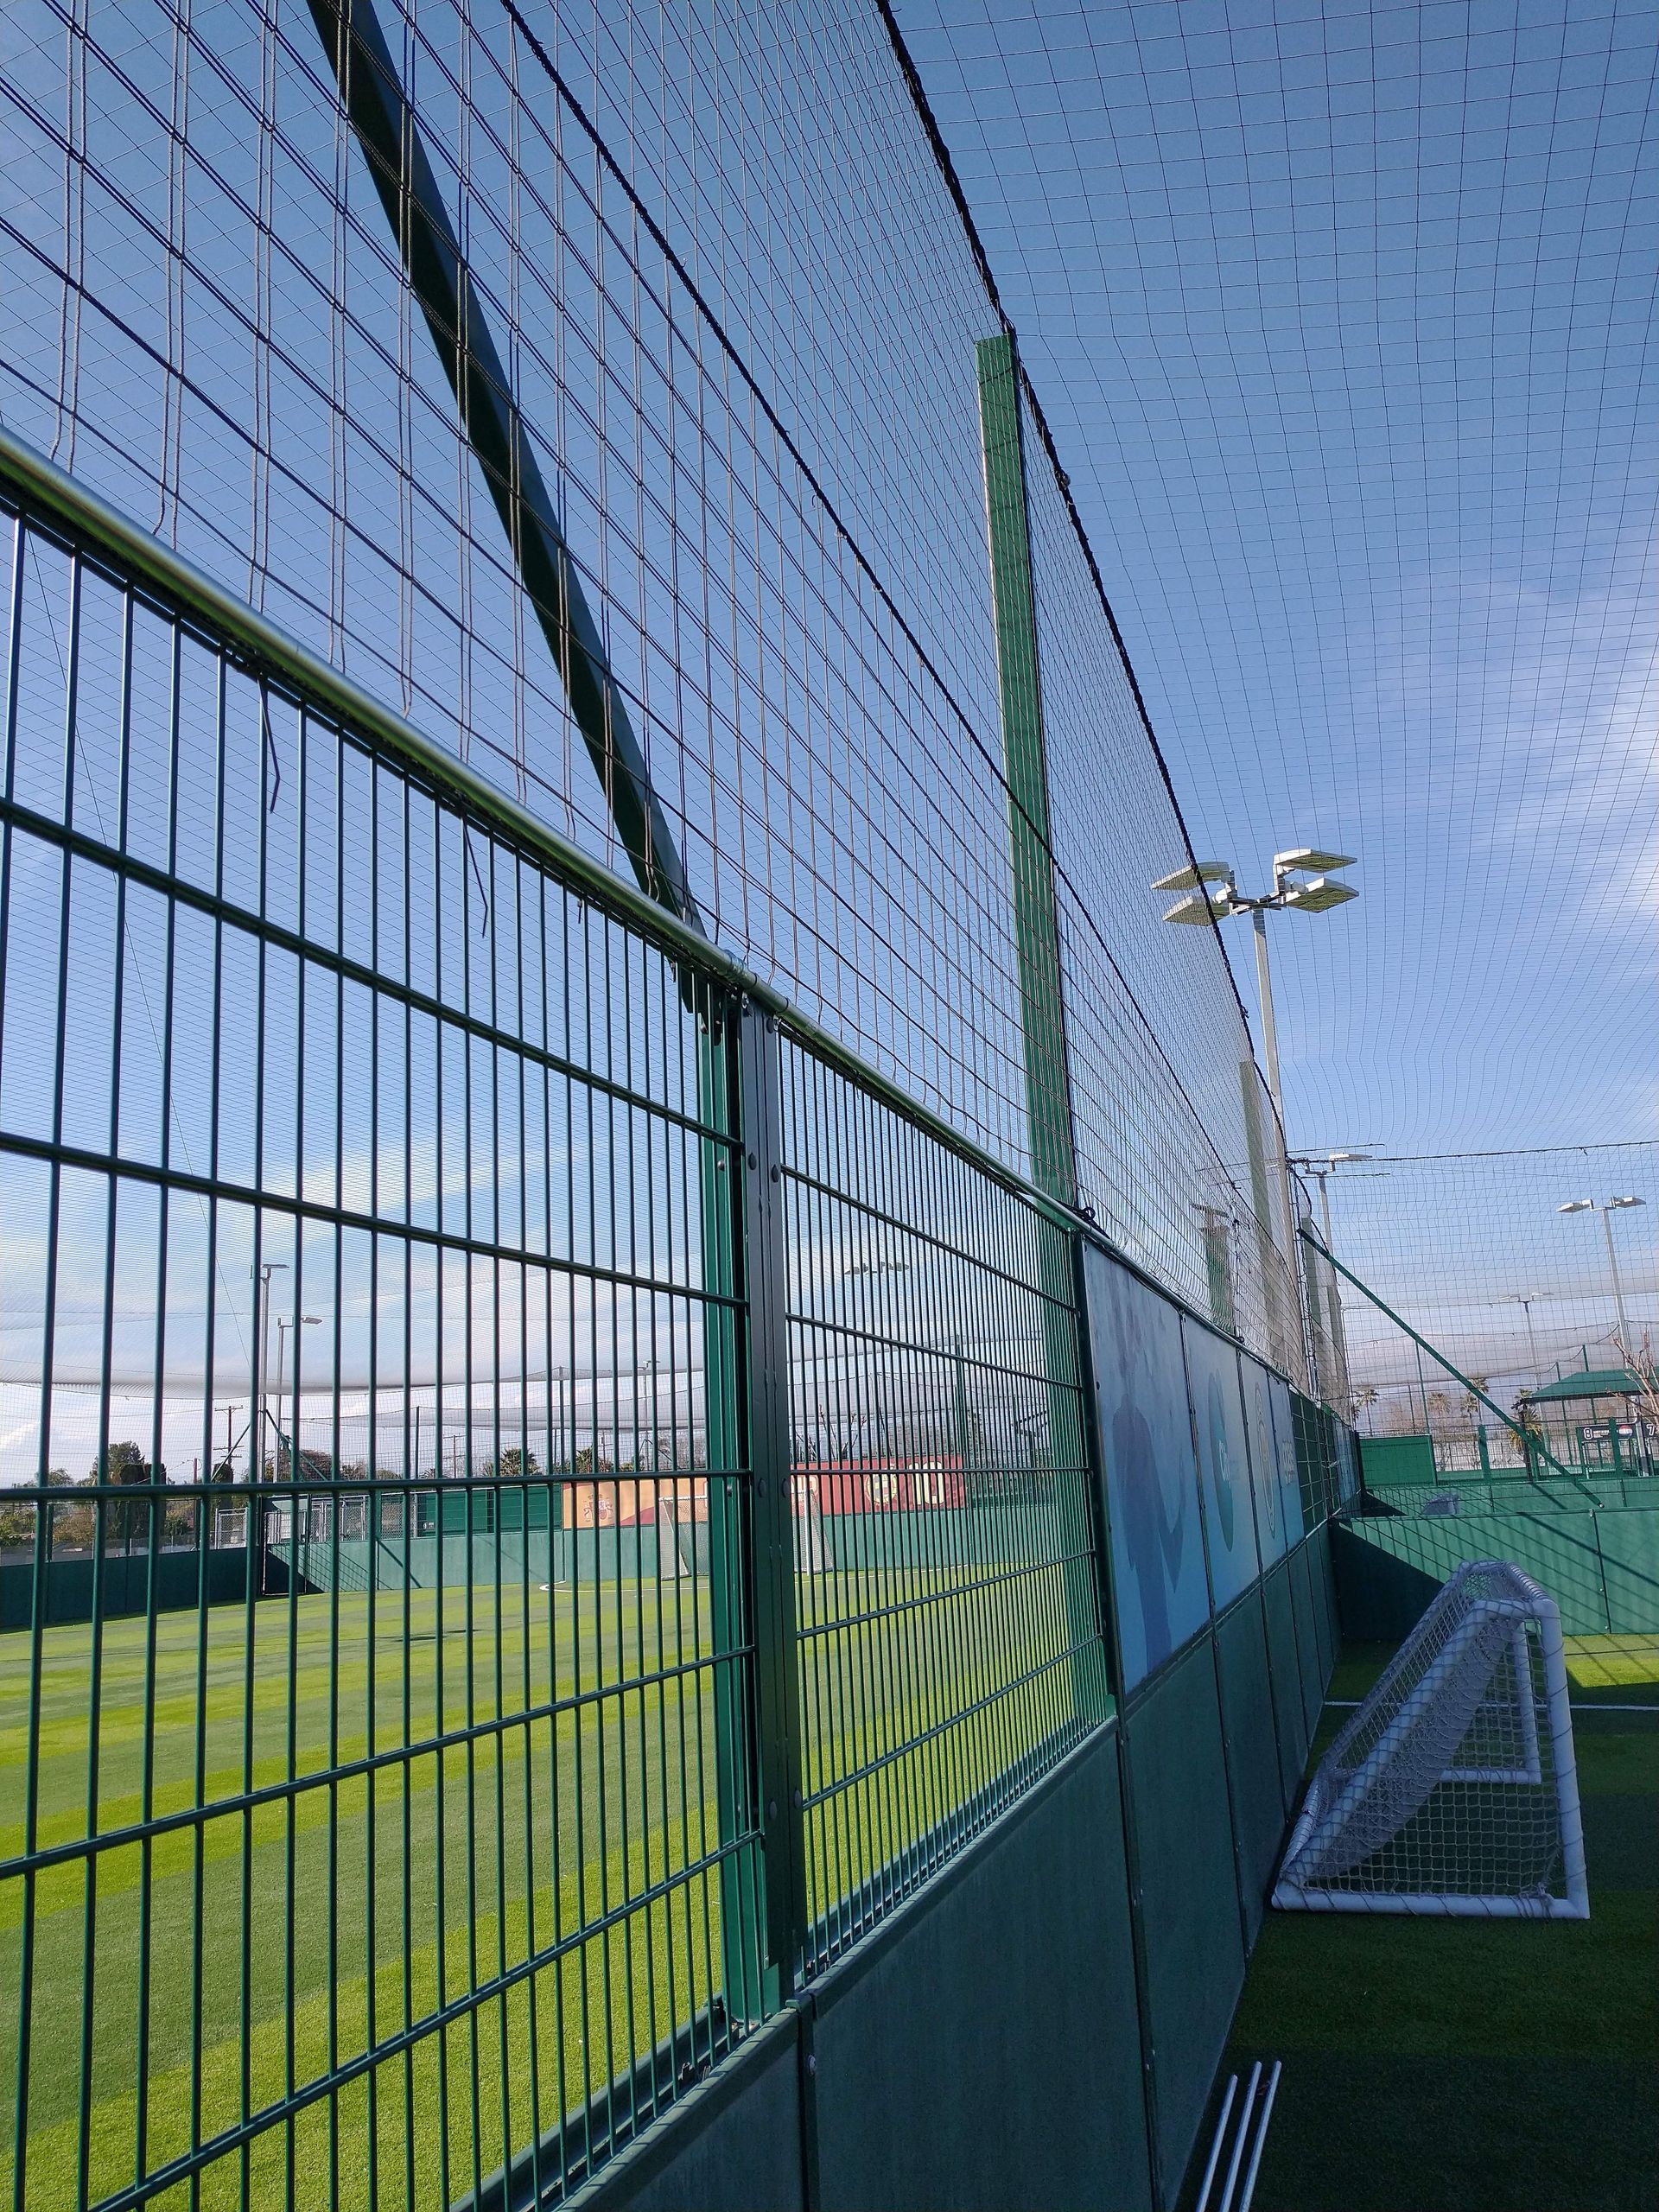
<point>1453,1788</point>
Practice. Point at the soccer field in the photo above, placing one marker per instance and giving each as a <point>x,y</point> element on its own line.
<point>493,1773</point>
<point>1442,2066</point>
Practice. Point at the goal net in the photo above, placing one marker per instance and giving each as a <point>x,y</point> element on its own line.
<point>676,1541</point>
<point>1453,1788</point>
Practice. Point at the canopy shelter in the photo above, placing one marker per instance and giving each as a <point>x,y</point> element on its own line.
<point>1600,1416</point>
<point>1589,1382</point>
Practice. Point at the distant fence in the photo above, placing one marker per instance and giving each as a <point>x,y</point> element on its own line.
<point>1601,1566</point>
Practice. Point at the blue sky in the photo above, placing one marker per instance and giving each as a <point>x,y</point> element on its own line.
<point>1343,319</point>
<point>1340,320</point>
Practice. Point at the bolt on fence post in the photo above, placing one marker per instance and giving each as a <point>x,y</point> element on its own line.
<point>742,1935</point>
<point>771,1555</point>
<point>1042,982</point>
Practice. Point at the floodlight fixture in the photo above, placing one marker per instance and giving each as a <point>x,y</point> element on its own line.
<point>1313,897</point>
<point>1189,879</point>
<point>1317,897</point>
<point>1607,1208</point>
<point>1311,856</point>
<point>1198,909</point>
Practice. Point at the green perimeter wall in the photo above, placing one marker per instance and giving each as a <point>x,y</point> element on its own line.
<point>1039,2026</point>
<point>1601,1568</point>
<point>946,1537</point>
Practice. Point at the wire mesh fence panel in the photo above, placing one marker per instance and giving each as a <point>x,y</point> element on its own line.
<point>1502,1306</point>
<point>390,1411</point>
<point>365,1300</point>
<point>948,1613</point>
<point>537,365</point>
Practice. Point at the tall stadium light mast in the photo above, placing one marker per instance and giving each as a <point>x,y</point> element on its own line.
<point>1321,1166</point>
<point>1524,1298</point>
<point>260,1416</point>
<point>1290,892</point>
<point>1301,883</point>
<point>1607,1208</point>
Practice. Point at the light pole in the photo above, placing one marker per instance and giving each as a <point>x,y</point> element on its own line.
<point>284,1325</point>
<point>1296,888</point>
<point>262,1334</point>
<point>1523,1299</point>
<point>1607,1208</point>
<point>1289,894</point>
<point>1321,1167</point>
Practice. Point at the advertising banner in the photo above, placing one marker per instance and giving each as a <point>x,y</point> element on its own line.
<point>1152,1480</point>
<point>1224,1463</point>
<point>1284,1447</point>
<point>1270,1536</point>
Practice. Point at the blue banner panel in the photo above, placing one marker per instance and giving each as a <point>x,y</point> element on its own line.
<point>1152,1482</point>
<point>1270,1537</point>
<point>1223,1462</point>
<point>1284,1446</point>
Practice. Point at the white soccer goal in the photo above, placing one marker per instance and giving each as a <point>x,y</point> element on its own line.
<point>1453,1788</point>
<point>676,1543</point>
<point>810,1556</point>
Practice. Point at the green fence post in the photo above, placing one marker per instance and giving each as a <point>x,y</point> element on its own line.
<point>1036,921</point>
<point>775,1671</point>
<point>751,1531</point>
<point>725,1450</point>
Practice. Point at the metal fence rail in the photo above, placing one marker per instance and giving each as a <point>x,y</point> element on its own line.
<point>950,1626</point>
<point>556,1501</point>
<point>365,1880</point>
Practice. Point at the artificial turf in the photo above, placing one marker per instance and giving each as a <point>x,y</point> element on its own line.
<point>1478,2066</point>
<point>547,1777</point>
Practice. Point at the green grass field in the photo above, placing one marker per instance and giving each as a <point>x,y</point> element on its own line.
<point>1479,2066</point>
<point>203,1975</point>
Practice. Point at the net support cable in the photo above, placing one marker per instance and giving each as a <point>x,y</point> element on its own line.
<point>372,93</point>
<point>1532,1445</point>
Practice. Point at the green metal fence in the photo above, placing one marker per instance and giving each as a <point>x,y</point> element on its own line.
<point>560,1500</point>
<point>950,1644</point>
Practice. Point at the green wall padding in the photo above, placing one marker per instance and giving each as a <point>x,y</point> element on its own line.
<point>983,2052</point>
<point>1396,1459</point>
<point>1381,1594</point>
<point>1602,1569</point>
<point>1629,1540</point>
<point>1192,1944</point>
<point>1285,1674</point>
<point>1326,1618</point>
<point>125,1586</point>
<point>734,2141</point>
<point>1308,1646</point>
<point>1250,1731</point>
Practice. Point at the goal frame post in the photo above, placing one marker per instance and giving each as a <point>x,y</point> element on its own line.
<point>1529,1604</point>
